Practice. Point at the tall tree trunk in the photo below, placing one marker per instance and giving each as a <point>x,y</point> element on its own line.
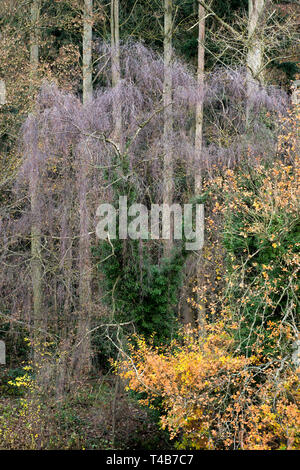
<point>198,153</point>
<point>2,92</point>
<point>34,34</point>
<point>254,59</point>
<point>87,51</point>
<point>85,296</point>
<point>168,184</point>
<point>66,325</point>
<point>195,269</point>
<point>116,71</point>
<point>36,257</point>
<point>116,81</point>
<point>83,354</point>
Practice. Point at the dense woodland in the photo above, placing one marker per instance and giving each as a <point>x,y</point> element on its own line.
<point>124,343</point>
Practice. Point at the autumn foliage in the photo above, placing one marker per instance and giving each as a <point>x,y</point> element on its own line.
<point>234,383</point>
<point>212,398</point>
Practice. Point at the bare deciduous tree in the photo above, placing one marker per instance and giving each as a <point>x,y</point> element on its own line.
<point>87,50</point>
<point>255,48</point>
<point>254,60</point>
<point>168,183</point>
<point>83,355</point>
<point>36,258</point>
<point>116,71</point>
<point>198,145</point>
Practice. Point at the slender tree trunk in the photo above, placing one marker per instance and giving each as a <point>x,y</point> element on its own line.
<point>296,354</point>
<point>36,257</point>
<point>116,81</point>
<point>199,106</point>
<point>66,256</point>
<point>254,59</point>
<point>2,92</point>
<point>66,325</point>
<point>195,269</point>
<point>198,153</point>
<point>83,354</point>
<point>85,296</point>
<point>168,184</point>
<point>34,34</point>
<point>116,71</point>
<point>87,51</point>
